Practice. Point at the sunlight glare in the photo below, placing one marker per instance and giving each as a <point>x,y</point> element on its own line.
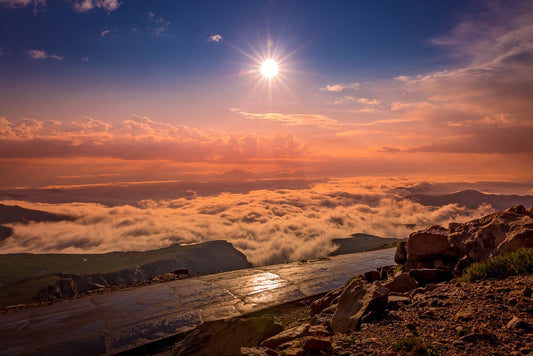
<point>269,68</point>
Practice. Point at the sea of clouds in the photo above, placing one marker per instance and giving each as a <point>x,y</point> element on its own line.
<point>268,226</point>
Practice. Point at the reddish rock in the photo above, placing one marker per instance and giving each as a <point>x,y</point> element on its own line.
<point>285,336</point>
<point>358,299</point>
<point>430,243</point>
<point>401,253</point>
<point>424,276</point>
<point>320,304</point>
<point>313,343</point>
<point>402,283</point>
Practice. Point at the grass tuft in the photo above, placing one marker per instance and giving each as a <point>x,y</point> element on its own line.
<point>413,346</point>
<point>515,263</point>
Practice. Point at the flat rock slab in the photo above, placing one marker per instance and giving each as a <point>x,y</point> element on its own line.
<point>122,320</point>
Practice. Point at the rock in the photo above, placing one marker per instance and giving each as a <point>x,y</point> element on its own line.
<point>396,301</point>
<point>424,276</point>
<point>285,336</point>
<point>66,287</point>
<point>322,318</point>
<point>430,243</point>
<point>320,304</point>
<point>226,337</point>
<point>493,234</point>
<point>314,343</point>
<point>181,271</point>
<point>401,283</point>
<point>96,286</point>
<point>517,323</point>
<point>319,330</point>
<point>464,315</point>
<point>371,276</point>
<point>401,253</point>
<point>356,300</point>
<point>474,337</point>
<point>258,351</point>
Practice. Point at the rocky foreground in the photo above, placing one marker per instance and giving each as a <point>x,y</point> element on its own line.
<point>416,308</point>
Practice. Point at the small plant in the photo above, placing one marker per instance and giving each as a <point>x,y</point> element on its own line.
<point>350,280</point>
<point>283,353</point>
<point>413,346</point>
<point>511,264</point>
<point>462,332</point>
<point>396,270</point>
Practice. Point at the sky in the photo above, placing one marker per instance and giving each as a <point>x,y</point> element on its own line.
<point>106,91</point>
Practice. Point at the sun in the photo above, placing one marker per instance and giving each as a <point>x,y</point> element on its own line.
<point>269,68</point>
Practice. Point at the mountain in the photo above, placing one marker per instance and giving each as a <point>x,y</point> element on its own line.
<point>473,199</point>
<point>360,242</point>
<point>23,275</point>
<point>14,213</point>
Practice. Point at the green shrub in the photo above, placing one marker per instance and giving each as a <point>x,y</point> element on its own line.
<point>512,264</point>
<point>413,346</point>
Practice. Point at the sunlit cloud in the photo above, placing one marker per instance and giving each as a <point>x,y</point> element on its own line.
<point>215,38</point>
<point>40,54</point>
<point>87,5</point>
<point>292,119</point>
<point>104,32</point>
<point>340,87</point>
<point>368,101</point>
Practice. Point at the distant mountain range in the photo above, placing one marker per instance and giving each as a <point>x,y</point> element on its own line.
<point>473,199</point>
<point>14,213</point>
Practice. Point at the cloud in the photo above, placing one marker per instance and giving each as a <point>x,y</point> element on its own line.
<point>38,5</point>
<point>368,101</point>
<point>292,119</point>
<point>269,226</point>
<point>40,54</point>
<point>140,138</point>
<point>104,32</point>
<point>158,25</point>
<point>85,59</point>
<point>215,38</point>
<point>87,5</point>
<point>340,87</point>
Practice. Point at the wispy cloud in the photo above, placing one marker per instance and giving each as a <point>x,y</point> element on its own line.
<point>87,5</point>
<point>158,25</point>
<point>292,119</point>
<point>38,5</point>
<point>85,59</point>
<point>215,38</point>
<point>368,101</point>
<point>340,87</point>
<point>40,54</point>
<point>104,32</point>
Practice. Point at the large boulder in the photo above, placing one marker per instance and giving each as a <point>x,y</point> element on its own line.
<point>226,337</point>
<point>430,243</point>
<point>357,300</point>
<point>494,234</point>
<point>425,276</point>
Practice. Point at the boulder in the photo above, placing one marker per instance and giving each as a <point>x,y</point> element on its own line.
<point>424,276</point>
<point>358,299</point>
<point>402,283</point>
<point>226,337</point>
<point>371,276</point>
<point>257,351</point>
<point>401,253</point>
<point>285,336</point>
<point>320,304</point>
<point>430,243</point>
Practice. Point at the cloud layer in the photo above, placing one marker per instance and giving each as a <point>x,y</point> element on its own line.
<point>269,226</point>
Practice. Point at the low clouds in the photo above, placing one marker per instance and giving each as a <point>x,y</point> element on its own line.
<point>38,5</point>
<point>269,226</point>
<point>40,54</point>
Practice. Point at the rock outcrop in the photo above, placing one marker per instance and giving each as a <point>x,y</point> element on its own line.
<point>461,244</point>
